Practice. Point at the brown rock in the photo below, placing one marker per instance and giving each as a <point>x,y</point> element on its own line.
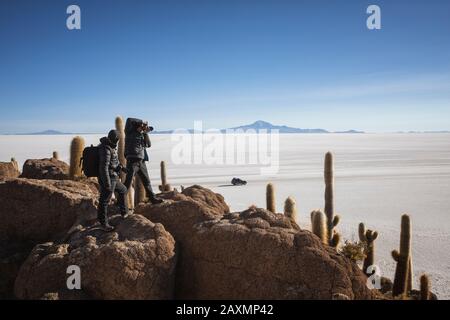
<point>45,169</point>
<point>34,211</point>
<point>135,261</point>
<point>250,255</point>
<point>12,256</point>
<point>8,170</point>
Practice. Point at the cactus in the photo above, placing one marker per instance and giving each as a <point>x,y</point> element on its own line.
<point>290,209</point>
<point>123,161</point>
<point>270,198</point>
<point>424,287</point>
<point>76,152</point>
<point>15,164</point>
<point>164,187</point>
<point>55,155</point>
<point>332,220</point>
<point>402,257</point>
<point>139,194</point>
<point>368,237</point>
<point>121,144</point>
<point>319,227</point>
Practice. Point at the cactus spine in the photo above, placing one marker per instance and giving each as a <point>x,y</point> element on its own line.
<point>400,286</point>
<point>319,225</point>
<point>290,209</point>
<point>76,152</point>
<point>332,220</point>
<point>424,287</point>
<point>164,187</point>
<point>368,237</point>
<point>270,198</point>
<point>55,155</point>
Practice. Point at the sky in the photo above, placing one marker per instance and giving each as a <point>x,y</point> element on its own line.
<point>302,63</point>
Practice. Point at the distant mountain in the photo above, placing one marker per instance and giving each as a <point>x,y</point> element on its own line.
<point>45,133</point>
<point>264,125</point>
<point>349,131</point>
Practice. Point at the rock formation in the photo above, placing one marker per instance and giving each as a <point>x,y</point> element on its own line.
<point>255,254</point>
<point>135,261</point>
<point>8,170</point>
<point>34,211</point>
<point>45,169</point>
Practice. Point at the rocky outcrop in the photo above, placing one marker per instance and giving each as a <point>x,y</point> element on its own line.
<point>35,211</point>
<point>8,170</point>
<point>180,214</point>
<point>250,255</point>
<point>12,256</point>
<point>135,261</point>
<point>45,169</point>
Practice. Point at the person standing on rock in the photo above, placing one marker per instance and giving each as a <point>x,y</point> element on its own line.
<point>136,142</point>
<point>109,169</point>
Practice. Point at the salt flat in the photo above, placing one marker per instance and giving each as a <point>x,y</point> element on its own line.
<point>377,178</point>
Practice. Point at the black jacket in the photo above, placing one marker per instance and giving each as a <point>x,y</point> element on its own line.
<point>109,164</point>
<point>135,141</point>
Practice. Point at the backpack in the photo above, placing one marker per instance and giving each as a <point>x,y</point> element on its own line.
<point>90,161</point>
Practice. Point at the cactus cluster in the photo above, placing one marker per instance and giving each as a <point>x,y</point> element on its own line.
<point>270,198</point>
<point>164,187</point>
<point>368,237</point>
<point>332,219</point>
<point>403,259</point>
<point>76,153</point>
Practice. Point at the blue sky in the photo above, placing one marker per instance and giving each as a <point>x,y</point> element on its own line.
<point>306,64</point>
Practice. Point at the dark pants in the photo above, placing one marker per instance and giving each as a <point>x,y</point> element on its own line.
<point>137,166</point>
<point>105,198</point>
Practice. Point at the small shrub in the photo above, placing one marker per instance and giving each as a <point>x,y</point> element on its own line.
<point>355,251</point>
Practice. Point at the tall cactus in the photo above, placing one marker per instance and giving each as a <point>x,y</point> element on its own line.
<point>400,286</point>
<point>120,128</point>
<point>290,209</point>
<point>424,287</point>
<point>368,237</point>
<point>270,198</point>
<point>164,187</point>
<point>332,220</point>
<point>55,155</point>
<point>139,193</point>
<point>76,152</point>
<point>15,164</point>
<point>319,225</point>
<point>121,144</point>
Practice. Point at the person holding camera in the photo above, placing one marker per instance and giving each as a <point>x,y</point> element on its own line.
<point>136,142</point>
<point>109,181</point>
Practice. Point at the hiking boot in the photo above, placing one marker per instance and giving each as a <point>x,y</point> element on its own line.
<point>155,200</point>
<point>106,227</point>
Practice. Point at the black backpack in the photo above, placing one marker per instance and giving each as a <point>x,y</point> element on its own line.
<point>90,161</point>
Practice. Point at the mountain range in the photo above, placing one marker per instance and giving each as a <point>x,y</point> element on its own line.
<point>264,125</point>
<point>257,126</point>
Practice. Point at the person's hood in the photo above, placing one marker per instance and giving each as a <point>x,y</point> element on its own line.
<point>105,141</point>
